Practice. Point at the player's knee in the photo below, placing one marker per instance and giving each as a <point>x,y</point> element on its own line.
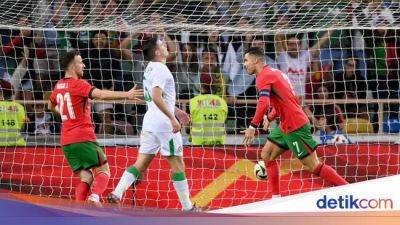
<point>311,166</point>
<point>311,162</point>
<point>177,168</point>
<point>265,154</point>
<point>86,176</point>
<point>105,168</point>
<point>141,167</point>
<point>176,164</point>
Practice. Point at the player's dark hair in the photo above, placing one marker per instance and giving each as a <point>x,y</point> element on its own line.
<point>149,48</point>
<point>67,59</point>
<point>256,51</point>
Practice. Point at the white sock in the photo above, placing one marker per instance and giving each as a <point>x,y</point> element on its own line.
<point>182,189</point>
<point>94,197</point>
<point>126,180</point>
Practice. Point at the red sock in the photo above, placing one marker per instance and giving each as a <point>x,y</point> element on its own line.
<point>81,191</point>
<point>329,174</point>
<point>273,176</point>
<point>100,183</point>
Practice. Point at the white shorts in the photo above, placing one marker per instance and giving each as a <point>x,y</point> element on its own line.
<point>169,143</point>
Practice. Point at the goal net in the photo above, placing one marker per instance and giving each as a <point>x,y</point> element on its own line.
<point>340,56</point>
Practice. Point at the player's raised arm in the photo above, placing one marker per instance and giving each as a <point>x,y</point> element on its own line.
<point>132,94</point>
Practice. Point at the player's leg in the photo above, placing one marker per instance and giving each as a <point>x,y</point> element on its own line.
<point>269,154</point>
<point>274,147</point>
<point>83,188</point>
<point>180,182</point>
<point>303,146</point>
<point>100,182</point>
<point>71,153</point>
<point>149,146</point>
<point>131,175</point>
<point>92,157</point>
<point>322,170</point>
<point>172,149</point>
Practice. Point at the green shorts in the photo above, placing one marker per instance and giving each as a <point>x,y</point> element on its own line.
<point>84,155</point>
<point>300,141</point>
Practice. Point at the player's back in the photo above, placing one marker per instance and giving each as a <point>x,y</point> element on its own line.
<point>157,74</point>
<point>72,99</point>
<point>283,99</point>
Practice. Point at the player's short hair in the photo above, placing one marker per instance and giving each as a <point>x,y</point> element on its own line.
<point>67,59</point>
<point>256,51</point>
<point>149,48</point>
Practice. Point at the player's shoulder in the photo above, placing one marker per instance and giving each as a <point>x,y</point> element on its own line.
<point>160,71</point>
<point>157,66</point>
<point>82,82</point>
<point>70,84</point>
<point>78,83</point>
<point>269,73</point>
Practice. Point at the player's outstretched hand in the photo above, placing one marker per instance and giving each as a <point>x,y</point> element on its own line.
<point>176,127</point>
<point>135,93</point>
<point>182,116</point>
<point>249,134</point>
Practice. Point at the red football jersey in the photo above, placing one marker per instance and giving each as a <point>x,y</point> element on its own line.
<point>274,86</point>
<point>72,99</point>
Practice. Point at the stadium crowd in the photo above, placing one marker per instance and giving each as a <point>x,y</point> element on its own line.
<point>333,63</point>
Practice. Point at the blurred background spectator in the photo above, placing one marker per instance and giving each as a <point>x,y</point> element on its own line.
<point>12,118</point>
<point>332,113</point>
<point>349,84</point>
<point>295,61</point>
<point>102,69</point>
<point>208,113</point>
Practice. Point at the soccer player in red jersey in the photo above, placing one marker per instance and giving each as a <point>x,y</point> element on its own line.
<point>70,99</point>
<point>294,132</point>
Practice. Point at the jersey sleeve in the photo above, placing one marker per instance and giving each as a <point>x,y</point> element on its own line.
<point>264,86</point>
<point>84,89</point>
<point>53,98</point>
